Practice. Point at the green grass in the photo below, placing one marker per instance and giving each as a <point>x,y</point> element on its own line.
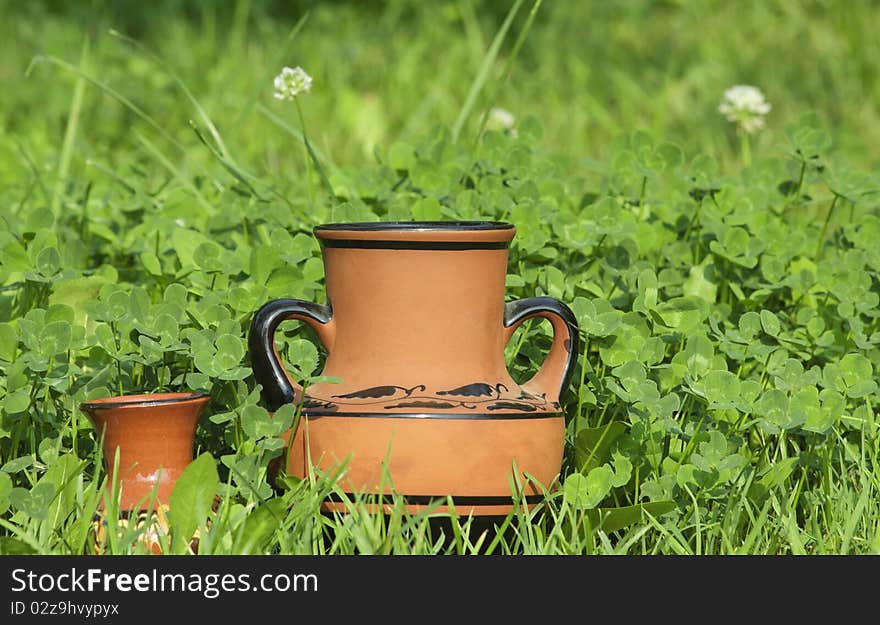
<point>155,195</point>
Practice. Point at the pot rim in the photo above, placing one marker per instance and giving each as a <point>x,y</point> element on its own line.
<point>413,226</point>
<point>142,399</point>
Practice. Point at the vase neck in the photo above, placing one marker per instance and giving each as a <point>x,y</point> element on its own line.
<point>412,312</point>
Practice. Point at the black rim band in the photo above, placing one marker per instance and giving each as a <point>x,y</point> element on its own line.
<point>478,416</point>
<point>418,226</point>
<point>443,246</point>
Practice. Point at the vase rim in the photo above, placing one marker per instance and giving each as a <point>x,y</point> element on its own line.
<point>414,226</point>
<point>142,399</point>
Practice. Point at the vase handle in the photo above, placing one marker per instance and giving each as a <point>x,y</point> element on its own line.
<point>278,388</point>
<point>553,376</point>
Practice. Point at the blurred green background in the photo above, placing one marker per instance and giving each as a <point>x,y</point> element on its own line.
<point>389,71</point>
<point>179,189</point>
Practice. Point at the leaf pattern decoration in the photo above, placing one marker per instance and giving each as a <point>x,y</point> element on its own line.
<point>310,403</point>
<point>529,396</point>
<point>512,405</point>
<point>442,405</point>
<point>476,389</point>
<point>375,392</point>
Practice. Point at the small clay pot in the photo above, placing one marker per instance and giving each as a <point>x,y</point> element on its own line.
<point>154,435</point>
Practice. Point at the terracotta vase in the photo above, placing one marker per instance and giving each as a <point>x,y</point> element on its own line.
<point>154,435</point>
<point>416,327</point>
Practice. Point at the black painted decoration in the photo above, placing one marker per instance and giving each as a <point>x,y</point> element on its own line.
<point>468,397</point>
<point>477,389</point>
<point>523,394</point>
<point>381,391</point>
<point>512,405</point>
<point>438,246</point>
<point>310,402</point>
<point>440,405</point>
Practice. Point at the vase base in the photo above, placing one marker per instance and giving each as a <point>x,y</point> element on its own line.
<point>461,506</point>
<point>480,462</point>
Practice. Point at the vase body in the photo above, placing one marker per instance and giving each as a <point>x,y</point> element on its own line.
<point>415,330</point>
<point>153,435</point>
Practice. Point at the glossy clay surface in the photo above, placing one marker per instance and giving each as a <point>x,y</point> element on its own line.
<point>154,438</point>
<point>416,331</point>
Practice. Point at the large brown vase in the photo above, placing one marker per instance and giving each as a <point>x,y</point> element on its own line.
<point>154,436</point>
<point>415,327</point>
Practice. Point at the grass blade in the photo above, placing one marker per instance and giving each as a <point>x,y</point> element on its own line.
<point>298,135</point>
<point>134,108</point>
<point>236,172</point>
<point>221,146</point>
<point>70,131</point>
<point>166,162</point>
<point>508,67</point>
<point>483,73</point>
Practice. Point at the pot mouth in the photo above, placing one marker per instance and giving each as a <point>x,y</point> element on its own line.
<point>417,235</point>
<point>144,399</point>
<point>413,226</point>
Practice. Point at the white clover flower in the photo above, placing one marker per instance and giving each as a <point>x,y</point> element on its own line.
<point>501,118</point>
<point>745,106</point>
<point>291,82</point>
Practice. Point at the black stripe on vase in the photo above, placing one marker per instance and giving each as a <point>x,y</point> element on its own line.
<point>458,500</point>
<point>443,246</point>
